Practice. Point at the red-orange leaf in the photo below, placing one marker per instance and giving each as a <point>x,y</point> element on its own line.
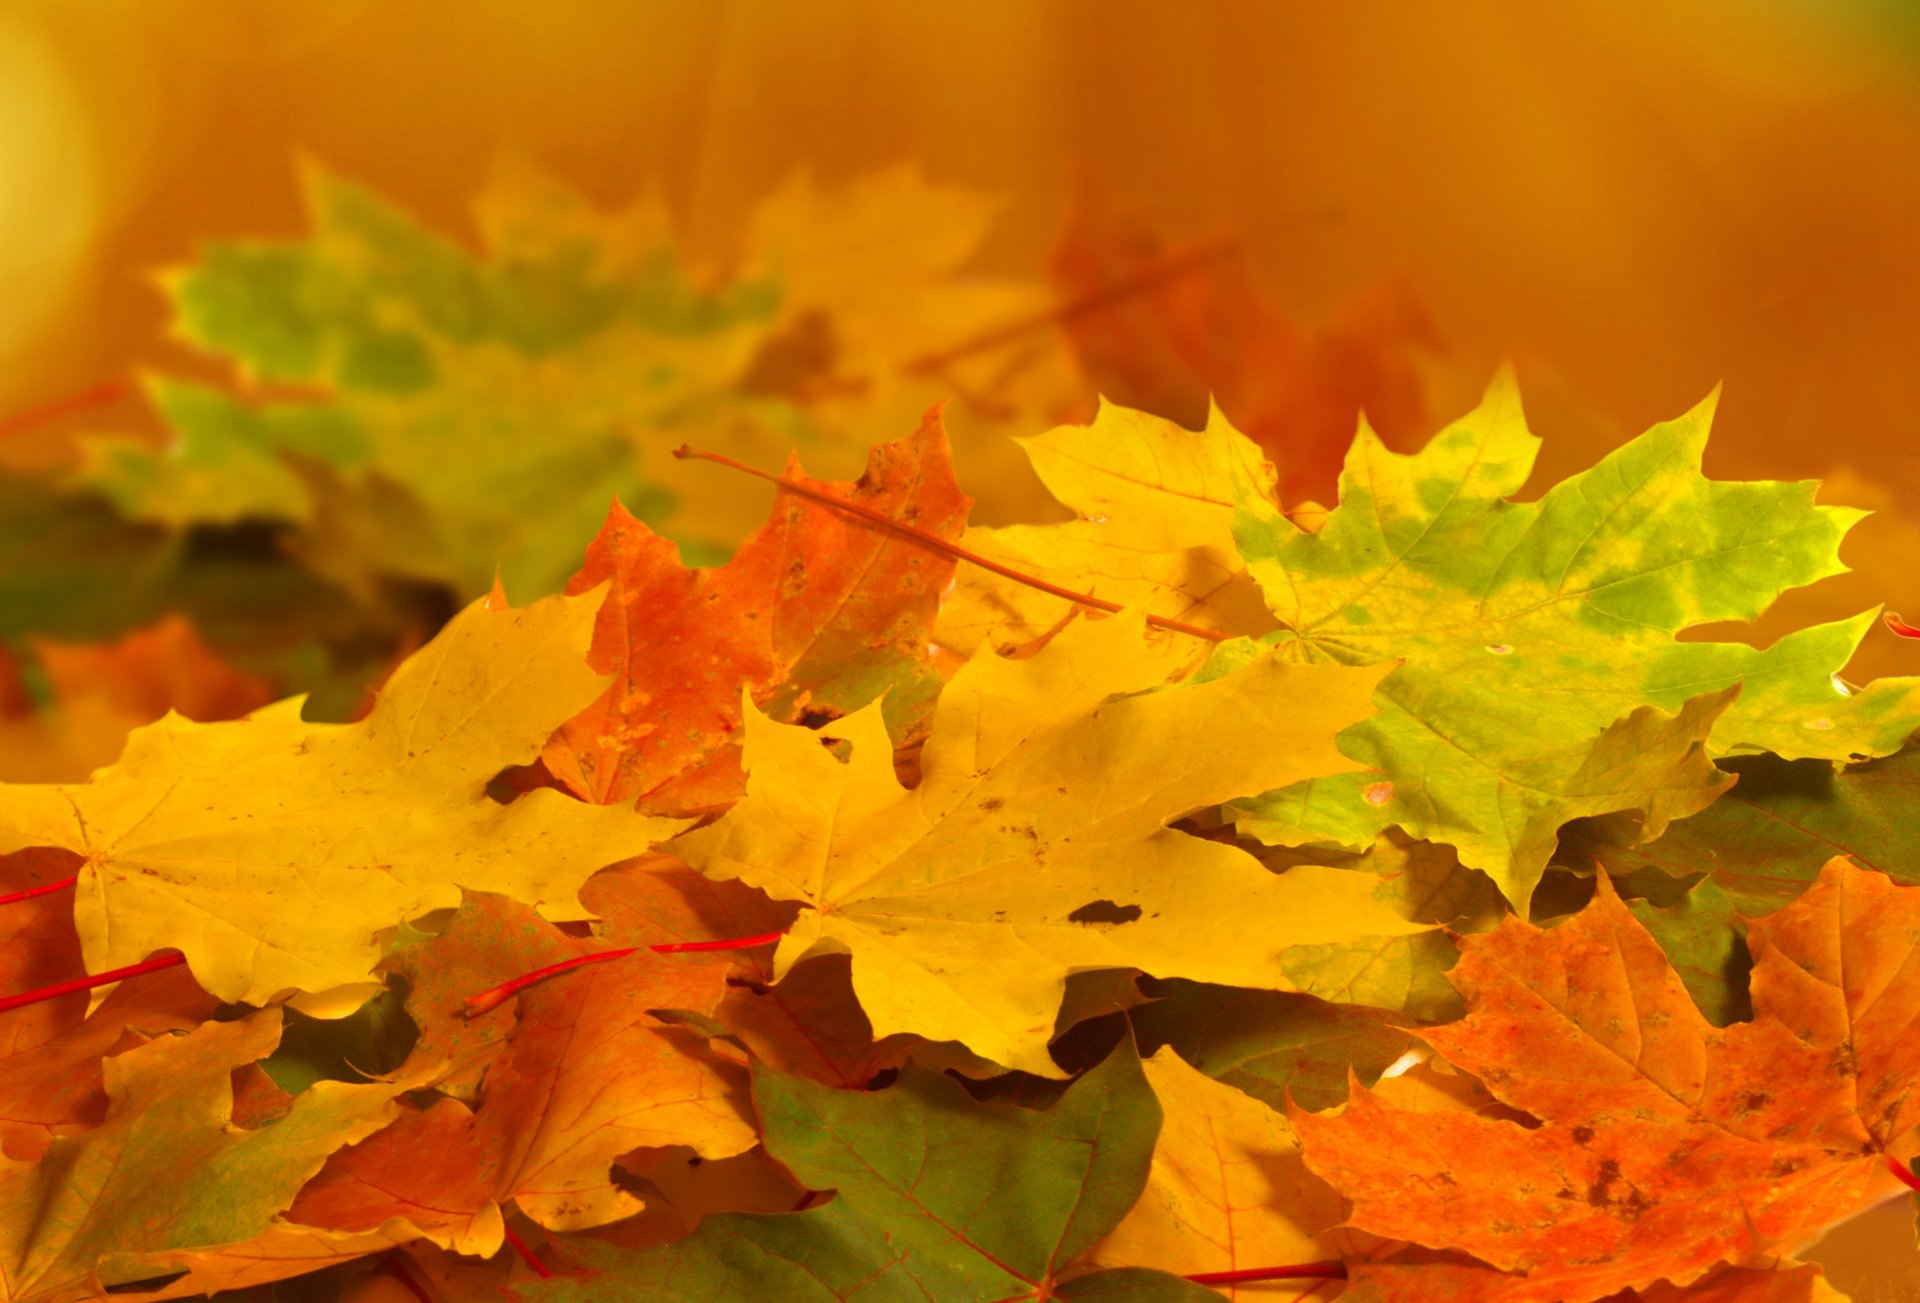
<point>1668,1145</point>
<point>817,613</point>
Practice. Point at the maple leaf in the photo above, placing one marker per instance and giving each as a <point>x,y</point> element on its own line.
<point>460,412</point>
<point>1667,1145</point>
<point>578,1076</point>
<point>167,1169</point>
<point>816,614</point>
<point>271,851</point>
<point>1227,1189</point>
<point>101,692</point>
<point>1201,326</point>
<point>1036,842</point>
<point>1154,506</point>
<point>936,1196</point>
<point>1538,639</point>
<point>881,314</point>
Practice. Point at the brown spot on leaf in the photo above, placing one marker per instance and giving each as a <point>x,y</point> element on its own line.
<point>1104,911</point>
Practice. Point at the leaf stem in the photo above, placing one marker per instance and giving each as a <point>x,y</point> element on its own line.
<point>1906,1174</point>
<point>494,997</point>
<point>527,1255</point>
<point>101,395</point>
<point>168,959</point>
<point>941,545</point>
<point>46,889</point>
<point>1302,1271</point>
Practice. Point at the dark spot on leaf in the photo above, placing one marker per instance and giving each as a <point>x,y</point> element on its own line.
<point>991,804</point>
<point>1104,911</point>
<point>1753,1101</point>
<point>817,718</point>
<point>1581,1135</point>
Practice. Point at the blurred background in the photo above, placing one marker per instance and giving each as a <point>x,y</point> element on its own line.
<point>1302,210</point>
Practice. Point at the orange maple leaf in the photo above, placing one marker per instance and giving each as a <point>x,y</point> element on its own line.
<point>1667,1145</point>
<point>575,1075</point>
<point>1201,326</point>
<point>818,613</point>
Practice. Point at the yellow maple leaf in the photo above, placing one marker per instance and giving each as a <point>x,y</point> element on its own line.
<point>1228,1189</point>
<point>1036,843</point>
<point>1154,504</point>
<point>270,851</point>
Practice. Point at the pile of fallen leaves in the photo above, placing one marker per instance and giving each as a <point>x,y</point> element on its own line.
<point>1198,896</point>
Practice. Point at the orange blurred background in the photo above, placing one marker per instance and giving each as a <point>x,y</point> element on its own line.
<point>1635,202</point>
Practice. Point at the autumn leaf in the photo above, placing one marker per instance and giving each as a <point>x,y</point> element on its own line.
<point>1027,852</point>
<point>1154,508</point>
<point>1541,680</point>
<point>166,1170</point>
<point>1197,324</point>
<point>271,851</point>
<point>1667,1146</point>
<point>575,1072</point>
<point>817,614</point>
<point>101,692</point>
<point>1227,1189</point>
<point>883,310</point>
<point>935,1196</point>
<point>428,369</point>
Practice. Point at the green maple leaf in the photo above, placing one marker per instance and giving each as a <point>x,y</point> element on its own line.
<point>454,411</point>
<point>936,1196</point>
<point>1540,677</point>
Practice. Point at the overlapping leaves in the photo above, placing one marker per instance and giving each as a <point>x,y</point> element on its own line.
<point>993,883</point>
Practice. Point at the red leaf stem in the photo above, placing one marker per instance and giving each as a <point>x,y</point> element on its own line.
<point>102,395</point>
<point>1906,1174</point>
<point>46,889</point>
<point>940,545</point>
<point>167,959</point>
<point>1301,1271</point>
<point>1901,627</point>
<point>527,1255</point>
<point>738,943</point>
<point>493,998</point>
